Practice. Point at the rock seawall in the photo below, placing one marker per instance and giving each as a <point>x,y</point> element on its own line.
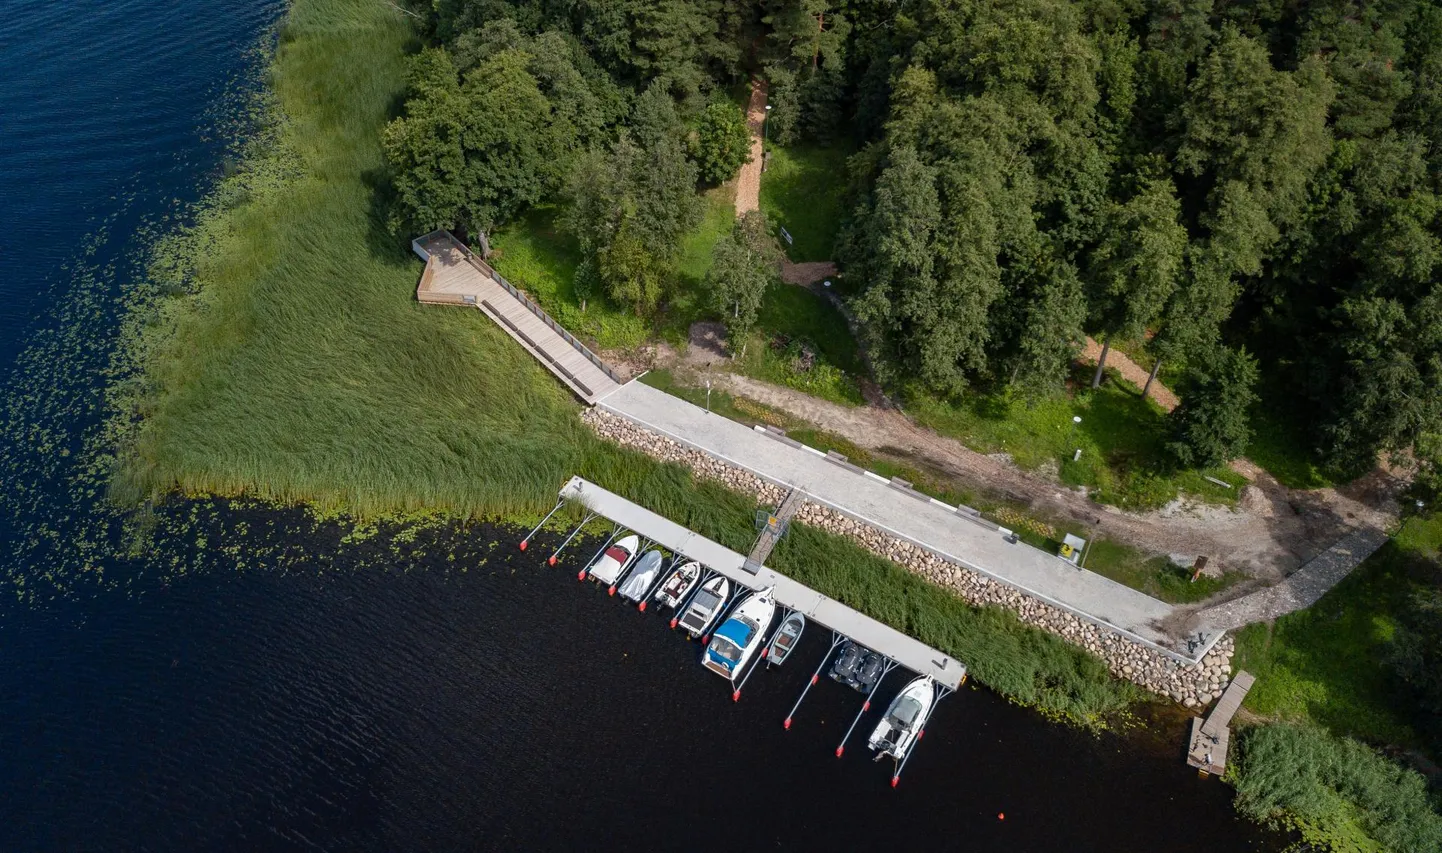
<point>1192,685</point>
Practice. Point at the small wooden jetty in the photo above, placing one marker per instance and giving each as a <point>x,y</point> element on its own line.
<point>454,275</point>
<point>1207,746</point>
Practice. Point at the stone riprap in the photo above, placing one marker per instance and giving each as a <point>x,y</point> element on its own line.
<point>1190,685</point>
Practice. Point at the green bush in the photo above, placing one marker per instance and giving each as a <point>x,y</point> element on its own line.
<point>721,144</point>
<point>1335,790</point>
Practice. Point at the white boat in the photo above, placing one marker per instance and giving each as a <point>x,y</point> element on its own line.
<point>706,605</point>
<point>608,566</point>
<point>639,582</point>
<point>901,726</point>
<point>740,636</point>
<point>678,585</point>
<point>787,636</point>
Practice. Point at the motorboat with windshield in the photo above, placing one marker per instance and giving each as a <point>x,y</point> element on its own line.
<point>904,719</point>
<point>614,559</point>
<point>706,605</point>
<point>741,636</point>
<point>678,585</point>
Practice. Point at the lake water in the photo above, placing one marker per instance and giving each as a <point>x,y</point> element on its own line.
<point>259,679</point>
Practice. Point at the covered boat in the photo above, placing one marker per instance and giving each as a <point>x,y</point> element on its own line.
<point>740,636</point>
<point>639,582</point>
<point>678,585</point>
<point>608,566</point>
<point>904,719</point>
<point>705,606</point>
<point>787,636</point>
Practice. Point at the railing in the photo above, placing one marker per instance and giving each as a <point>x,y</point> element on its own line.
<point>540,313</point>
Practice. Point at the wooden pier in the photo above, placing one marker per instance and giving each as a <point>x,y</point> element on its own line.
<point>454,275</point>
<point>820,609</point>
<point>1207,745</point>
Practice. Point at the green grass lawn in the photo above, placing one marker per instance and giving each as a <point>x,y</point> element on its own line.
<point>803,342</point>
<point>1122,438</point>
<point>1158,577</point>
<point>301,368</point>
<point>801,190</point>
<point>1325,664</point>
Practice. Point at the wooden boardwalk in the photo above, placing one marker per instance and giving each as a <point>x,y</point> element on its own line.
<point>456,276</point>
<point>1207,746</point>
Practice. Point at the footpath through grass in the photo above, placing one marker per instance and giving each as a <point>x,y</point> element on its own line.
<point>801,191</point>
<point>295,365</point>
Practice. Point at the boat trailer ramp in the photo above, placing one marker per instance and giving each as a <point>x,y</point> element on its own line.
<point>655,531</point>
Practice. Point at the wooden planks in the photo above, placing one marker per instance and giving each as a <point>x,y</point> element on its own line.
<point>1231,700</point>
<point>1207,746</point>
<point>451,278</point>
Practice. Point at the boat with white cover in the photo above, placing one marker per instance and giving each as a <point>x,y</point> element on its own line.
<point>608,566</point>
<point>906,715</point>
<point>740,637</point>
<point>678,585</point>
<point>639,582</point>
<point>706,605</point>
<point>787,636</point>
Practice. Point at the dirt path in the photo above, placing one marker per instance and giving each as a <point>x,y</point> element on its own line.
<point>807,273</point>
<point>748,183</point>
<point>1272,532</point>
<point>1131,372</point>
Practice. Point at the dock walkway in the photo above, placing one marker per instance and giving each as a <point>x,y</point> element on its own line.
<point>906,651</point>
<point>455,276</point>
<point>943,530</point>
<point>1207,747</point>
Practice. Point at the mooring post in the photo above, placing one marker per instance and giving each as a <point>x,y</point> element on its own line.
<point>865,706</point>
<point>836,640</point>
<point>526,541</point>
<point>557,553</point>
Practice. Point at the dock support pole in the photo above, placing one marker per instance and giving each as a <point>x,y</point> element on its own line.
<point>760,658</point>
<point>865,706</point>
<point>527,541</point>
<point>551,561</point>
<point>836,640</point>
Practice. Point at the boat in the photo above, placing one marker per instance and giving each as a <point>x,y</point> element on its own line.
<point>678,585</point>
<point>741,635</point>
<point>904,719</point>
<point>639,582</point>
<point>786,638</point>
<point>608,566</point>
<point>706,605</point>
<point>873,666</point>
<point>847,662</point>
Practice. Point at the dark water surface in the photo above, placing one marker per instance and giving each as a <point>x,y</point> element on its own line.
<point>256,681</point>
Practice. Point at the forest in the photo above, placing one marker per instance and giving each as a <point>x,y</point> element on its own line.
<point>1249,187</point>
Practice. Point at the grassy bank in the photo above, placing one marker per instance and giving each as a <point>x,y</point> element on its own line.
<point>293,363</point>
<point>801,191</point>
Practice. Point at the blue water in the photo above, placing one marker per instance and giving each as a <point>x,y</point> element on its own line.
<point>259,680</point>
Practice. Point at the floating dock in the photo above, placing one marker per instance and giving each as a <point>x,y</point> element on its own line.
<point>819,609</point>
<point>1207,746</point>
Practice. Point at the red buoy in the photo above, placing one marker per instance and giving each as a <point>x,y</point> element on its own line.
<point>839,750</point>
<point>921,734</point>
<point>524,543</point>
<point>813,679</point>
<point>551,561</point>
<point>581,575</point>
<point>787,725</point>
<point>673,623</point>
<point>763,653</point>
<point>1001,815</point>
<point>705,638</point>
<point>642,607</point>
<point>736,696</point>
<point>894,780</point>
<point>866,706</point>
<point>612,590</point>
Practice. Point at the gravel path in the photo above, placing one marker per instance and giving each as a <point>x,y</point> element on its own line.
<point>748,183</point>
<point>1131,372</point>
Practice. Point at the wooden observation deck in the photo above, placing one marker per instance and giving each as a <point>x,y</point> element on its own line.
<point>454,275</point>
<point>1207,746</point>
